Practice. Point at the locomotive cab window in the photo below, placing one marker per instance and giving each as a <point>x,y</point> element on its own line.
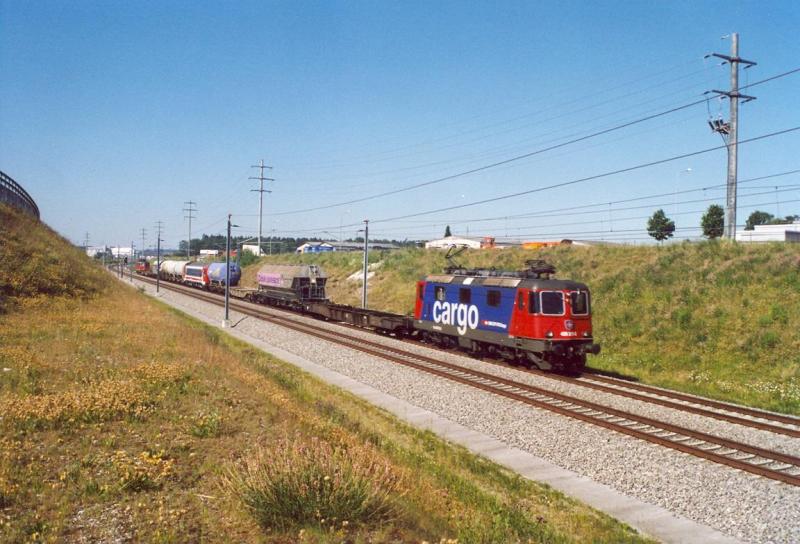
<point>533,303</point>
<point>579,302</point>
<point>493,298</point>
<point>464,296</point>
<point>438,293</point>
<point>552,303</point>
<point>521,301</point>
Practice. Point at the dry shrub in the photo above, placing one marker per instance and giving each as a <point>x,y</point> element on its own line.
<point>144,472</point>
<point>309,482</point>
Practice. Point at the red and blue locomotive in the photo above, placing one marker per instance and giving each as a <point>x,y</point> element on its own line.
<point>525,317</point>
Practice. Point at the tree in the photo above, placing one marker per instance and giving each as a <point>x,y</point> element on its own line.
<point>758,218</point>
<point>713,221</point>
<point>447,232</point>
<point>660,227</point>
<point>786,221</point>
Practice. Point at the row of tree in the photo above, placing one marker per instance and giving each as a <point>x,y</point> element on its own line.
<point>661,227</point>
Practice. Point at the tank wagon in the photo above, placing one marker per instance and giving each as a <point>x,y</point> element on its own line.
<point>525,317</point>
<point>173,270</point>
<point>218,277</point>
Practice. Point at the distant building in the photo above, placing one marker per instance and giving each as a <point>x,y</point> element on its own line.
<point>208,254</point>
<point>253,248</point>
<point>315,247</point>
<point>322,247</point>
<point>454,241</point>
<point>118,252</point>
<point>771,233</point>
<point>471,242</point>
<point>93,251</point>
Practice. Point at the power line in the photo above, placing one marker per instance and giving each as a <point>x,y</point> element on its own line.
<point>496,164</point>
<point>557,212</point>
<point>618,219</point>
<point>576,100</point>
<point>516,158</point>
<point>587,178</point>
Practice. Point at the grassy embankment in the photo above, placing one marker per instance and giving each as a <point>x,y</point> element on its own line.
<point>125,421</point>
<point>711,318</point>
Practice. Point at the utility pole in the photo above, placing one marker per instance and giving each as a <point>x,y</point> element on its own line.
<point>227,322</point>
<point>189,210</point>
<point>159,230</point>
<point>86,243</point>
<point>260,192</point>
<point>130,263</point>
<point>366,264</point>
<point>730,131</point>
<point>143,232</point>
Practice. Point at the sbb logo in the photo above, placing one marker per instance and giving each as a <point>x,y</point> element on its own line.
<point>460,315</point>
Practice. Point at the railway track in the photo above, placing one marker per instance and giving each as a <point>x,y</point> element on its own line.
<point>766,463</point>
<point>732,413</point>
<point>656,394</point>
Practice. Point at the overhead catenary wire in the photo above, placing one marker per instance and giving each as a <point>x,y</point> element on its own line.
<point>577,100</point>
<point>571,210</point>
<point>508,147</point>
<point>586,178</point>
<point>518,157</point>
<point>792,188</point>
<point>492,165</point>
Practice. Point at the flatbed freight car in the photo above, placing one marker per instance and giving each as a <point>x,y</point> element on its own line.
<point>383,322</point>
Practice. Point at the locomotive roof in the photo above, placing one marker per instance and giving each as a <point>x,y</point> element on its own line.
<point>502,281</point>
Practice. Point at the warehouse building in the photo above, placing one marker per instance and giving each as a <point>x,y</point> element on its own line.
<point>771,233</point>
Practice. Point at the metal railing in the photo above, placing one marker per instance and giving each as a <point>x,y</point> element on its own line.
<point>12,193</point>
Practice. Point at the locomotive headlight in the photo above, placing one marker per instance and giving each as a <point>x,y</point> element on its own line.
<point>587,334</point>
<point>569,324</point>
<point>549,334</point>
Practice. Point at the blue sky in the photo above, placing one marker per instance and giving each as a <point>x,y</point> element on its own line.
<point>113,114</point>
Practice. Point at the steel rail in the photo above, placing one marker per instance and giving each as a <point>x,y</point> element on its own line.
<point>588,383</point>
<point>650,430</point>
<point>615,383</point>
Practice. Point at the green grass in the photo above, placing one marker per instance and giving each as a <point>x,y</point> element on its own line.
<point>711,318</point>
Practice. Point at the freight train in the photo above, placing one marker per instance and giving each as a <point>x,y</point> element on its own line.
<point>525,317</point>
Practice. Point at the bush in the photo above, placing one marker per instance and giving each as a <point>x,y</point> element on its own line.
<point>206,425</point>
<point>296,483</point>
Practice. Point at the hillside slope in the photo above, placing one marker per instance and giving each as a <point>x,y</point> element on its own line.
<point>38,262</point>
<point>712,318</point>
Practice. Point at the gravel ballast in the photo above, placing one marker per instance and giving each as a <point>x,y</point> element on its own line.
<point>744,506</point>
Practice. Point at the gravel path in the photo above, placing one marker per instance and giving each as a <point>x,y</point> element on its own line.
<point>738,504</point>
